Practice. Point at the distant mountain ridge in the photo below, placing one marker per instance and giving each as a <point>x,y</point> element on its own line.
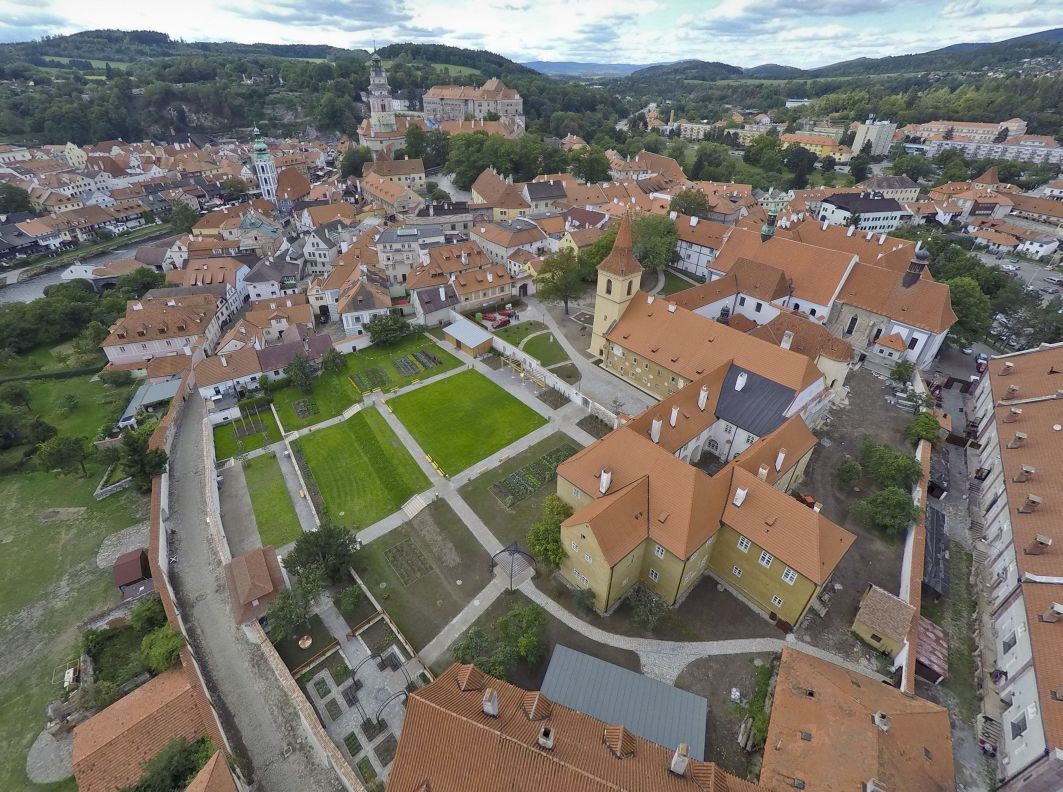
<point>581,69</point>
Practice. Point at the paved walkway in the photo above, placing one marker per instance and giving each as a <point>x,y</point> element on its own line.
<point>303,510</point>
<point>460,623</point>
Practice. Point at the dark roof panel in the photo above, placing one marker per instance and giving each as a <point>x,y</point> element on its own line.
<point>759,407</point>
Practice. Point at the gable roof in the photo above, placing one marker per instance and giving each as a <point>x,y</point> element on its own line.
<point>836,707</point>
<point>292,185</point>
<point>214,777</point>
<point>254,579</point>
<point>621,260</point>
<point>925,304</point>
<point>885,614</point>
<point>809,338</point>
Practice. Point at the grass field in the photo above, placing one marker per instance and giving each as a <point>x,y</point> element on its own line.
<point>97,404</point>
<point>451,568</point>
<point>673,283</point>
<point>511,524</point>
<point>463,419</point>
<point>232,438</point>
<point>293,656</point>
<point>457,71</point>
<point>515,333</point>
<point>60,357</point>
<point>546,350</point>
<point>332,394</point>
<point>377,367</point>
<point>275,515</point>
<point>49,583</point>
<point>361,470</point>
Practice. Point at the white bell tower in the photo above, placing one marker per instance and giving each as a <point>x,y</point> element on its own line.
<point>265,168</point>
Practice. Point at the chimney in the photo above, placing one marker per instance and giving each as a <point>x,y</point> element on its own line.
<point>680,760</point>
<point>464,258</point>
<point>1038,545</point>
<point>703,397</point>
<point>655,430</point>
<point>1032,504</point>
<point>740,382</point>
<point>673,417</point>
<point>1025,474</point>
<point>442,294</point>
<point>649,299</point>
<point>1052,614</point>
<point>693,221</point>
<point>1012,390</point>
<point>818,507</point>
<point>605,480</point>
<point>740,496</point>
<point>882,239</point>
<point>1006,368</point>
<point>762,474</point>
<point>787,339</point>
<point>224,361</point>
<point>1017,440</point>
<point>851,231</point>
<point>546,737</point>
<point>1013,415</point>
<point>779,459</point>
<point>490,702</point>
<point>825,224</point>
<point>881,720</point>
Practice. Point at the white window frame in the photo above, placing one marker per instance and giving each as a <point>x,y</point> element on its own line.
<point>587,558</point>
<point>736,571</point>
<point>789,576</point>
<point>743,544</point>
<point>575,547</point>
<point>659,551</point>
<point>654,575</point>
<point>776,600</point>
<point>765,559</point>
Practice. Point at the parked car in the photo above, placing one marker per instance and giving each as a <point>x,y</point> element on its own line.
<point>981,363</point>
<point>1009,268</point>
<point>1014,259</point>
<point>502,322</point>
<point>1049,289</point>
<point>967,351</point>
<point>507,312</point>
<point>488,317</point>
<point>1053,280</point>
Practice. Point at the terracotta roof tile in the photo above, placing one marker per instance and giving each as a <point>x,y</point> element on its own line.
<point>621,260</point>
<point>885,613</point>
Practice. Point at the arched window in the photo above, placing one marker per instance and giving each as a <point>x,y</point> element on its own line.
<point>608,285</point>
<point>629,285</point>
<point>811,311</point>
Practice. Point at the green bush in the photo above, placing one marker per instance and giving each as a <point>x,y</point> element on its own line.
<point>902,372</point>
<point>848,471</point>
<point>891,511</point>
<point>174,767</point>
<point>147,615</point>
<point>646,607</point>
<point>161,649</point>
<point>923,427</point>
<point>889,467</point>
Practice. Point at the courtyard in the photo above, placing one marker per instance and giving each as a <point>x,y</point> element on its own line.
<point>332,393</point>
<point>388,368</point>
<point>255,429</point>
<point>545,348</point>
<point>425,571</point>
<point>464,418</point>
<point>359,470</point>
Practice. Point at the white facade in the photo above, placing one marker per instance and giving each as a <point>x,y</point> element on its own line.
<point>868,221</point>
<point>878,133</point>
<point>1030,151</point>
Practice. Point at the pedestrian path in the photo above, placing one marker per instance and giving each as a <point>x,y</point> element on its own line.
<point>460,623</point>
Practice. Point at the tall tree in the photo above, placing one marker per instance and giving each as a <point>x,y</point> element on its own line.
<point>386,329</point>
<point>589,165</point>
<point>301,373</point>
<point>353,160</point>
<point>14,199</point>
<point>544,538</point>
<point>62,453</point>
<point>690,202</point>
<point>654,241</point>
<point>971,307</point>
<point>560,279</point>
<point>801,161</point>
<point>139,461</point>
<point>182,216</point>
<point>327,551</point>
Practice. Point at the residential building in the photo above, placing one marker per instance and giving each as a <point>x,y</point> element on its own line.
<point>976,131</point>
<point>867,211</point>
<point>523,740</point>
<point>254,580</point>
<point>237,373</point>
<point>878,133</point>
<point>406,172</point>
<point>1040,149</point>
<point>836,730</point>
<point>483,288</point>
<point>696,130</point>
<point>401,249</point>
<point>501,239</point>
<point>274,276</point>
<point>699,242</point>
<point>158,326</point>
<point>900,188</point>
<point>1035,244</point>
<point>1054,190</point>
<point>392,197</point>
<point>313,216</point>
<point>1042,210</point>
<point>820,145</point>
<point>456,102</point>
<point>454,218</point>
<point>883,620</point>
<point>1015,481</point>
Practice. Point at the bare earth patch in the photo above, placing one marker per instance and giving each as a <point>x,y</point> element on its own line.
<point>134,537</point>
<point>63,513</point>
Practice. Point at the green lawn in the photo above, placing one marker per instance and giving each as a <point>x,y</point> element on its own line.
<point>97,404</point>
<point>456,71</point>
<point>425,571</point>
<point>48,358</point>
<point>275,515</point>
<point>49,583</point>
<point>546,350</point>
<point>293,656</point>
<point>463,419</point>
<point>673,283</point>
<point>511,524</point>
<point>240,436</point>
<point>377,366</point>
<point>360,468</point>
<point>515,333</point>
<point>332,394</point>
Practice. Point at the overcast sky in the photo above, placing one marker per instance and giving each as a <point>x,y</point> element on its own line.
<point>741,32</point>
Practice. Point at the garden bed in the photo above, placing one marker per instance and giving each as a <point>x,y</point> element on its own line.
<point>365,769</point>
<point>352,744</point>
<point>527,480</point>
<point>246,434</point>
<point>378,637</point>
<point>373,729</point>
<point>295,658</point>
<point>388,368</point>
<point>594,426</point>
<point>385,750</point>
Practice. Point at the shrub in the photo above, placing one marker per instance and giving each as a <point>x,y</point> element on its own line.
<point>175,766</point>
<point>923,427</point>
<point>646,607</point>
<point>848,471</point>
<point>116,379</point>
<point>147,615</point>
<point>890,511</point>
<point>544,538</point>
<point>889,467</point>
<point>351,597</point>
<point>161,649</point>
<point>903,371</point>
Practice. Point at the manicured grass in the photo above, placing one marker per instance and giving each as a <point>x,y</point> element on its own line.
<point>568,372</point>
<point>98,404</point>
<point>278,524</point>
<point>338,668</point>
<point>378,364</point>
<point>546,350</point>
<point>511,524</point>
<point>673,283</point>
<point>294,657</point>
<point>332,394</point>
<point>453,567</point>
<point>515,333</point>
<point>463,419</point>
<point>361,469</point>
<point>49,583</point>
<point>231,439</point>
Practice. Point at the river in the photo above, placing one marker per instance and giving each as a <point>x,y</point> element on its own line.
<point>32,288</point>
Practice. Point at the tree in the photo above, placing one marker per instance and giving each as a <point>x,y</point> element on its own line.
<point>328,550</point>
<point>690,202</point>
<point>654,239</point>
<point>923,427</point>
<point>589,165</point>
<point>765,152</point>
<point>517,637</point>
<point>147,614</point>
<point>139,282</point>
<point>828,164</point>
<point>560,278</point>
<point>182,216</point>
<point>913,166</point>
<point>801,161</point>
<point>288,612</point>
<point>234,186</point>
<point>646,607</point>
<point>889,467</point>
<point>353,161</point>
<point>139,461</point>
<point>544,538</point>
<point>14,199</point>
<point>62,453</point>
<point>174,766</point>
<point>161,649</point>
<point>859,167</point>
<point>1002,135</point>
<point>848,471</point>
<point>903,371</point>
<point>387,329</point>
<point>15,393</point>
<point>300,372</point>
<point>971,306</point>
<point>890,510</point>
<point>332,361</point>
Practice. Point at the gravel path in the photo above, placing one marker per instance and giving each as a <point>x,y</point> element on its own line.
<point>50,758</point>
<point>134,537</point>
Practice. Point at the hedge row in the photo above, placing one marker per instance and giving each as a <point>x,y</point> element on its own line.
<point>53,375</point>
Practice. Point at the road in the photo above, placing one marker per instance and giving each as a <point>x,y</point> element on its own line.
<point>259,715</point>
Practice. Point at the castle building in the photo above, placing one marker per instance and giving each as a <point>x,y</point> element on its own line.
<point>384,131</point>
<point>265,168</point>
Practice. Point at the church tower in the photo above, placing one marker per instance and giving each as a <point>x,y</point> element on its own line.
<point>381,107</point>
<point>619,276</point>
<point>265,168</point>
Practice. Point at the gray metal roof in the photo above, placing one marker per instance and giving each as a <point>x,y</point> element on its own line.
<point>150,394</point>
<point>651,709</point>
<point>468,333</point>
<point>759,407</point>
<point>408,234</point>
<point>936,565</point>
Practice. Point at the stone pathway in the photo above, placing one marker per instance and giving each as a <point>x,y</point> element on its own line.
<point>50,758</point>
<point>530,336</point>
<point>237,513</point>
<point>460,623</point>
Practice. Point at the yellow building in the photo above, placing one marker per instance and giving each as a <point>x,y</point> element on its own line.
<point>619,276</point>
<point>883,620</point>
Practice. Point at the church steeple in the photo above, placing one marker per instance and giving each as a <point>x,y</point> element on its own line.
<point>381,106</point>
<point>619,277</point>
<point>265,168</point>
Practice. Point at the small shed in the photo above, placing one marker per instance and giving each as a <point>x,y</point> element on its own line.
<point>254,580</point>
<point>132,575</point>
<point>936,556</point>
<point>883,620</point>
<point>931,652</point>
<point>468,337</point>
